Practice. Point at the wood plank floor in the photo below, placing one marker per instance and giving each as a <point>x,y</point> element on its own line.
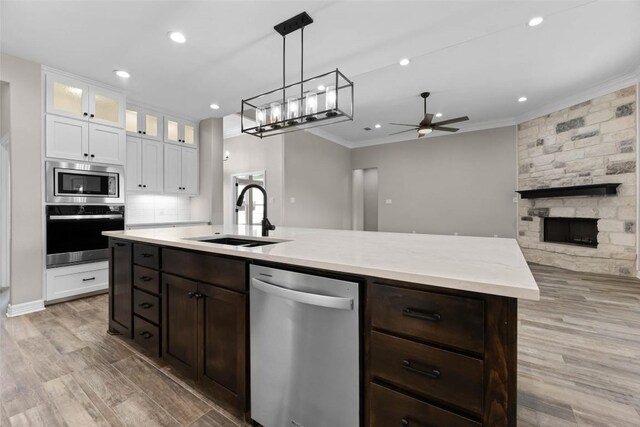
<point>579,364</point>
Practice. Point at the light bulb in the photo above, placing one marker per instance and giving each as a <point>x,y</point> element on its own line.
<point>275,114</point>
<point>330,100</point>
<point>310,105</point>
<point>293,110</point>
<point>261,117</point>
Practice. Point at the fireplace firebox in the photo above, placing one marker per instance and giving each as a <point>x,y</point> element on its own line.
<point>571,231</point>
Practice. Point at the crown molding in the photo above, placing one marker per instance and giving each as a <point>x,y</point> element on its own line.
<point>616,83</point>
<point>143,105</point>
<point>331,137</point>
<point>46,69</point>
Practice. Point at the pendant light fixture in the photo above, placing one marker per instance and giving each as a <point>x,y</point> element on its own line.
<point>317,101</point>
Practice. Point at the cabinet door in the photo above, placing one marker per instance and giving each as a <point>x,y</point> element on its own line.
<point>132,122</point>
<point>133,177</point>
<point>151,166</point>
<point>189,170</point>
<point>151,124</point>
<point>172,169</point>
<point>67,97</point>
<point>172,132</point>
<point>67,138</point>
<point>106,144</point>
<point>120,288</point>
<point>106,107</point>
<point>223,350</point>
<point>180,323</point>
<point>189,134</point>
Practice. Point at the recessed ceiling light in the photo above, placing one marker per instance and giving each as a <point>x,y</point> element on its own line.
<point>438,114</point>
<point>534,22</point>
<point>321,88</point>
<point>214,106</point>
<point>404,62</point>
<point>522,99</point>
<point>378,126</point>
<point>122,73</point>
<point>177,37</point>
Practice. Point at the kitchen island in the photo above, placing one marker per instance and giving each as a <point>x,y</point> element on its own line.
<point>438,313</point>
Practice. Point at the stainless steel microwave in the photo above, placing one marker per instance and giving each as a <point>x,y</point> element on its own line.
<point>83,183</point>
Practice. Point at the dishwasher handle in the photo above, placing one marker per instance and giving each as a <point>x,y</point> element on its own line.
<point>338,303</point>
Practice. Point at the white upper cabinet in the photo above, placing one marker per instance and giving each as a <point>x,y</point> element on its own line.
<point>78,100</point>
<point>180,170</point>
<point>144,165</point>
<point>133,170</point>
<point>178,131</point>
<point>66,138</point>
<point>106,144</point>
<point>145,123</point>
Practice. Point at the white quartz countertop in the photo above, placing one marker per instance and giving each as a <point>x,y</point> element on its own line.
<point>478,264</point>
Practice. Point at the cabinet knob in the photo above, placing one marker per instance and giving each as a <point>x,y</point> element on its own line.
<point>139,185</point>
<point>139,131</point>
<point>144,186</point>
<point>144,132</point>
<point>92,115</point>
<point>85,114</point>
<point>191,294</point>
<point>86,154</point>
<point>145,305</point>
<point>93,155</point>
<point>404,422</point>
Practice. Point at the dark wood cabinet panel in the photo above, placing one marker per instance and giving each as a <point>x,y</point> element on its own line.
<point>146,335</point>
<point>223,364</point>
<point>146,255</point>
<point>445,376</point>
<point>146,305</point>
<point>120,288</point>
<point>180,323</point>
<point>216,270</point>
<point>147,279</point>
<point>389,408</point>
<point>444,319</point>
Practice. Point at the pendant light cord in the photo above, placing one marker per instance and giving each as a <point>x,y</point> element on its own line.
<point>284,55</point>
<point>301,64</point>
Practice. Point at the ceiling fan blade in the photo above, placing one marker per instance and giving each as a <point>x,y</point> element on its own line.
<point>427,120</point>
<point>403,124</point>
<point>403,131</point>
<point>448,122</point>
<point>444,129</point>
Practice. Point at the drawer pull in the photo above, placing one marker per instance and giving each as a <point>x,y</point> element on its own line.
<point>146,278</point>
<point>430,372</point>
<point>88,279</point>
<point>422,315</point>
<point>145,305</point>
<point>404,422</point>
<point>146,335</point>
<point>119,244</point>
<point>191,294</point>
<point>146,255</point>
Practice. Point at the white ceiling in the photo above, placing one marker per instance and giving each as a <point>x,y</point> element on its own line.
<point>475,57</point>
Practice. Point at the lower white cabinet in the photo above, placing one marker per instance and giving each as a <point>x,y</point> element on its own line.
<point>78,140</point>
<point>180,170</point>
<point>144,165</point>
<point>72,280</point>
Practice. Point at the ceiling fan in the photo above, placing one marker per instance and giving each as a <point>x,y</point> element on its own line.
<point>426,126</point>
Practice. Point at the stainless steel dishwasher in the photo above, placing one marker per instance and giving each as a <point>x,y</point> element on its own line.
<point>305,350</point>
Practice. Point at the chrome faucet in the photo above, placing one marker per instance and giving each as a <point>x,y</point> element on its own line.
<point>266,225</point>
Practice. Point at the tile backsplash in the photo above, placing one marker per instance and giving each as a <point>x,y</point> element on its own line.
<point>150,208</point>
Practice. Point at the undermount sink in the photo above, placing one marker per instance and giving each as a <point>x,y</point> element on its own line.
<point>236,241</point>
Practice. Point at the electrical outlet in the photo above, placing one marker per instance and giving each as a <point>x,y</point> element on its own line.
<point>388,201</point>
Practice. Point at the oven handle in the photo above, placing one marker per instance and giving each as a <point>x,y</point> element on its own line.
<point>303,297</point>
<point>62,217</point>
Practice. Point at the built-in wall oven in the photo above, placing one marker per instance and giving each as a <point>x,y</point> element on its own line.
<point>74,232</point>
<point>84,183</point>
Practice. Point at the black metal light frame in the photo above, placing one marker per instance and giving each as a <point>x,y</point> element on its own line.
<point>303,121</point>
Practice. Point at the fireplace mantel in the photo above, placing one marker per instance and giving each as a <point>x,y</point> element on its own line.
<point>609,189</point>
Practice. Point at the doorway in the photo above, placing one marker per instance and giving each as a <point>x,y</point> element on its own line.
<point>5,197</point>
<point>253,209</point>
<point>365,199</point>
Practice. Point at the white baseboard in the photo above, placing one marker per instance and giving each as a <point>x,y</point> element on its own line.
<point>25,308</point>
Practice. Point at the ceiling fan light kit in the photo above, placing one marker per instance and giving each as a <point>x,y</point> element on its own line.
<point>426,126</point>
<point>297,106</point>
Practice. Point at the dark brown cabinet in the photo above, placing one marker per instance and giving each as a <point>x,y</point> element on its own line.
<point>120,288</point>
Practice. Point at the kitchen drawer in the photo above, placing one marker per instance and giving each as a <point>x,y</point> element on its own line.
<point>443,375</point>
<point>216,270</point>
<point>147,279</point>
<point>72,280</point>
<point>146,255</point>
<point>146,305</point>
<point>391,408</point>
<point>449,320</point>
<point>146,335</point>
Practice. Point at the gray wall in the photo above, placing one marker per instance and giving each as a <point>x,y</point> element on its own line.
<point>208,206</point>
<point>456,183</point>
<point>250,154</point>
<point>370,199</point>
<point>27,250</point>
<point>317,173</point>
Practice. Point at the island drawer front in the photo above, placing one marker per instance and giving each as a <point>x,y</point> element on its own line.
<point>449,320</point>
<point>146,255</point>
<point>146,305</point>
<point>146,335</point>
<point>391,408</point>
<point>147,279</point>
<point>224,272</point>
<point>428,371</point>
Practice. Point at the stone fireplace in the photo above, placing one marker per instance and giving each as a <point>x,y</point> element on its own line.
<point>589,143</point>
